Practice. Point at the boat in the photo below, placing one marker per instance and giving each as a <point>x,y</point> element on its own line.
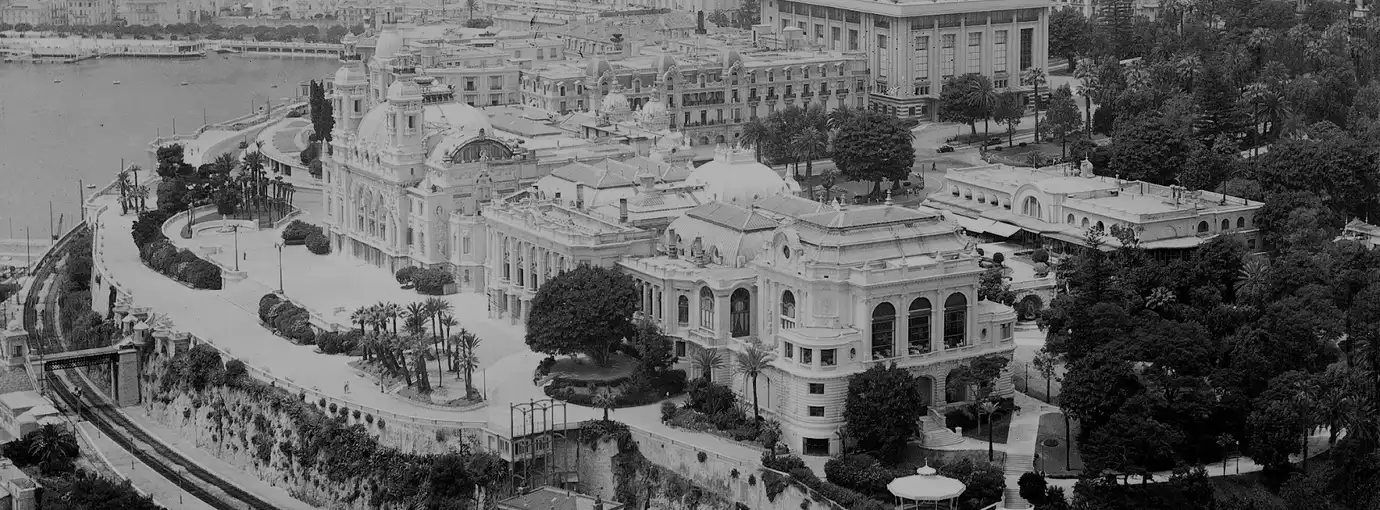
<point>273,86</point>
<point>226,50</point>
<point>55,80</point>
<point>116,82</point>
<point>184,84</point>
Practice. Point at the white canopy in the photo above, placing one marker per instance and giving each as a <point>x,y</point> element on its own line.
<point>925,485</point>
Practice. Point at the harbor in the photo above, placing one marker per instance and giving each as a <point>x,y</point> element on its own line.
<point>74,50</point>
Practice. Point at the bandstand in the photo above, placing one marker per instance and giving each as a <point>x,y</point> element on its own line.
<point>925,490</point>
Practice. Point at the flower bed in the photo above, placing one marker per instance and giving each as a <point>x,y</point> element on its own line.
<point>180,264</point>
<point>713,408</point>
<point>638,389</point>
<point>286,319</point>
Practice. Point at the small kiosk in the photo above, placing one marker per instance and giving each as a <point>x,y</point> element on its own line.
<point>925,490</point>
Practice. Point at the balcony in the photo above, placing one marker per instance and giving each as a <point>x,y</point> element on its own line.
<point>841,91</point>
<point>772,97</point>
<point>789,95</point>
<point>754,99</point>
<point>823,92</point>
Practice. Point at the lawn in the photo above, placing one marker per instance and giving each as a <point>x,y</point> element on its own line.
<point>1000,426</point>
<point>1019,155</point>
<point>577,369</point>
<point>1057,459</point>
<point>917,455</point>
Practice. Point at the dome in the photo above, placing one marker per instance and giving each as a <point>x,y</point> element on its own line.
<point>405,88</point>
<point>653,108</point>
<point>731,57</point>
<point>350,75</point>
<point>614,103</point>
<point>390,42</point>
<point>461,119</point>
<point>664,62</point>
<point>737,178</point>
<point>597,67</point>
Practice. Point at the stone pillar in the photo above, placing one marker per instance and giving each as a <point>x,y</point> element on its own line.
<point>126,375</point>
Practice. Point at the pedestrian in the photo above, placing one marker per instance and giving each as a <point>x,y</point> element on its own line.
<point>347,387</point>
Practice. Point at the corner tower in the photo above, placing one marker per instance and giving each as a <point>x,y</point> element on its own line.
<point>351,90</point>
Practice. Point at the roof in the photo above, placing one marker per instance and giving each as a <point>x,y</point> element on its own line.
<point>866,216</point>
<point>735,176</point>
<point>22,400</point>
<point>609,174</point>
<point>732,216</point>
<point>1362,227</point>
<point>788,205</point>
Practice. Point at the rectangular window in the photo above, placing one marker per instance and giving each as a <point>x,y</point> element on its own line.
<point>680,348</point>
<point>1027,47</point>
<point>807,356</point>
<point>881,41</point>
<point>974,57</point>
<point>999,52</point>
<point>817,411</point>
<point>828,357</point>
<point>790,350</point>
<point>946,54</point>
<point>816,388</point>
<point>465,245</point>
<point>852,40</point>
<point>819,31</point>
<point>922,56</point>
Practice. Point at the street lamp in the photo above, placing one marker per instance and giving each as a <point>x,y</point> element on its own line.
<point>236,230</point>
<point>279,246</point>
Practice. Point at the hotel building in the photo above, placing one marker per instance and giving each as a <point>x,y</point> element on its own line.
<point>913,46</point>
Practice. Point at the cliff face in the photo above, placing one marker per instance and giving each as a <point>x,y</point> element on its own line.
<point>323,455</point>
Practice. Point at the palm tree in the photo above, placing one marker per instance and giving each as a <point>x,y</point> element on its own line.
<point>1036,77</point>
<point>448,321</point>
<point>1088,86</point>
<point>224,164</point>
<point>139,194</point>
<point>471,5</point>
<point>436,307</point>
<point>755,133</point>
<point>750,363</point>
<point>53,446</point>
<point>414,323</point>
<point>840,116</point>
<point>1306,403</point>
<point>1253,279</point>
<point>122,180</point>
<point>707,361</point>
<point>1188,67</point>
<point>828,177</point>
<point>982,95</point>
<point>808,144</point>
<point>467,343</point>
<point>361,316</point>
<point>988,408</point>
<point>605,400</point>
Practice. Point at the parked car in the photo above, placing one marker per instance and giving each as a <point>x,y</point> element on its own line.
<point>945,148</point>
<point>996,140</point>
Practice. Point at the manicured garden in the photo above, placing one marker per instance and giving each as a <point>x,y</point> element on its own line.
<point>159,254</point>
<point>979,424</point>
<point>713,408</point>
<point>302,233</point>
<point>433,281</point>
<point>1059,458</point>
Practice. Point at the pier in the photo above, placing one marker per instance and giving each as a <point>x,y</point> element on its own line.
<point>53,50</point>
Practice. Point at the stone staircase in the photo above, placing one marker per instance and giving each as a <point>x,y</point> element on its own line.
<point>245,294</point>
<point>1017,464</point>
<point>936,434</point>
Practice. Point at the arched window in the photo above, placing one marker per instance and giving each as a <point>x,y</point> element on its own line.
<point>883,331</point>
<point>1085,223</point>
<point>1226,225</point>
<point>918,327</point>
<point>740,313</point>
<point>1241,222</point>
<point>1202,227</point>
<point>787,310</point>
<point>955,321</point>
<point>683,310</point>
<point>1070,220</point>
<point>1030,207</point>
<point>1101,227</point>
<point>706,308</point>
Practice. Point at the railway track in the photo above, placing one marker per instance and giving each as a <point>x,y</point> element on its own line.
<point>169,463</point>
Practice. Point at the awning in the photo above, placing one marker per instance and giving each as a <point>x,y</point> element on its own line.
<point>1003,229</point>
<point>973,226</point>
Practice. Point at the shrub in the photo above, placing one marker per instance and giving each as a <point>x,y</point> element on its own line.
<point>544,368</point>
<point>332,407</point>
<point>1040,256</point>
<point>356,414</point>
<point>266,305</point>
<point>369,418</point>
<point>710,398</point>
<point>433,281</point>
<point>297,232</point>
<point>668,411</point>
<point>234,370</point>
<point>318,244</point>
<point>331,342</point>
<point>701,456</point>
<point>149,226</point>
<point>861,473</point>
<point>302,334</point>
<point>407,274</point>
<point>201,274</point>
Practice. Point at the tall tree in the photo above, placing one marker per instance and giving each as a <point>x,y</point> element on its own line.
<point>809,144</point>
<point>751,362</point>
<point>881,410</point>
<point>586,310</point>
<point>1062,118</point>
<point>1068,34</point>
<point>1009,111</point>
<point>1035,76</point>
<point>874,146</point>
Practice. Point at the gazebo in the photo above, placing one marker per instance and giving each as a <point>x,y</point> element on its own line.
<point>925,490</point>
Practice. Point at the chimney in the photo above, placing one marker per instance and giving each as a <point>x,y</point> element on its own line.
<point>672,249</point>
<point>622,210</point>
<point>580,196</point>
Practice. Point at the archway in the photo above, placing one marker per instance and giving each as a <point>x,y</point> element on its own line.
<point>1029,306</point>
<point>719,139</point>
<point>925,385</point>
<point>883,331</point>
<point>740,313</point>
<point>704,140</point>
<point>955,321</point>
<point>954,388</point>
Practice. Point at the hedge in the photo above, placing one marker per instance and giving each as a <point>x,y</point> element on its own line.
<point>407,274</point>
<point>800,473</point>
<point>287,319</point>
<point>297,232</point>
<point>433,281</point>
<point>318,244</point>
<point>331,342</point>
<point>180,264</point>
